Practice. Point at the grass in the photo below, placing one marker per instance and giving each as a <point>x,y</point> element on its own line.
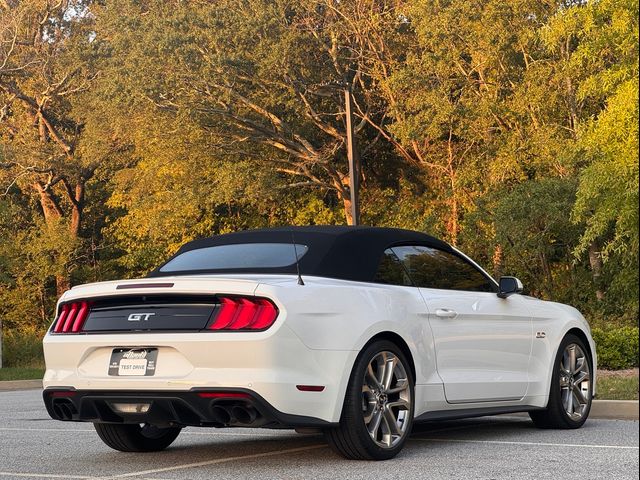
<point>21,373</point>
<point>618,385</point>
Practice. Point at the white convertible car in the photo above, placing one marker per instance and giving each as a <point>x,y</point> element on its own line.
<point>353,331</point>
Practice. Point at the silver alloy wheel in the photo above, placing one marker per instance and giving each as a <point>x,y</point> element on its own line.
<point>575,381</point>
<point>386,399</point>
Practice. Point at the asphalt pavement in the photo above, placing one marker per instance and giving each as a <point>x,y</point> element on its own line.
<point>504,447</point>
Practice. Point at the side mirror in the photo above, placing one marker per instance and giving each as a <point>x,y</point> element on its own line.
<point>509,286</point>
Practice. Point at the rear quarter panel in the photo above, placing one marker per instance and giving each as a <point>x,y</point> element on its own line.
<point>338,315</point>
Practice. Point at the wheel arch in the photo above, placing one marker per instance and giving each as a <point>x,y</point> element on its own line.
<point>400,342</point>
<point>584,337</point>
<point>361,345</point>
<point>585,340</point>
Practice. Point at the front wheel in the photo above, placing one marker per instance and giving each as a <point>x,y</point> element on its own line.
<point>378,409</point>
<point>136,438</point>
<point>571,388</point>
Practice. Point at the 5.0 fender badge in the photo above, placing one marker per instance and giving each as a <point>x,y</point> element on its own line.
<point>541,334</point>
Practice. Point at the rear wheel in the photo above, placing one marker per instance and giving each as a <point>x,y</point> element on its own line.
<point>571,388</point>
<point>136,438</point>
<point>378,409</point>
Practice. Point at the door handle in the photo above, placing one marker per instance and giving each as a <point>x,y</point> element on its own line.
<point>446,313</point>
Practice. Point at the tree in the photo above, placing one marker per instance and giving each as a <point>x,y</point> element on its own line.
<point>532,225</point>
<point>452,97</point>
<point>41,69</point>
<point>254,74</point>
<point>607,198</point>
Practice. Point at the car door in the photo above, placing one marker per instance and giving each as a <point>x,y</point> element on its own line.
<point>482,342</point>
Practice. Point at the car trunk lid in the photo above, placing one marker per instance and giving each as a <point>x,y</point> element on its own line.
<point>172,303</point>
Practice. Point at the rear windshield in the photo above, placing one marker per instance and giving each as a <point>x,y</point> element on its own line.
<point>242,256</point>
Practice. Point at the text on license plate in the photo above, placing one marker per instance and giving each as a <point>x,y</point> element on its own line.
<point>133,362</point>
<point>132,367</point>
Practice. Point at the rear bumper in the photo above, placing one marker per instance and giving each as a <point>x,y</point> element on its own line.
<point>196,407</point>
<point>270,364</point>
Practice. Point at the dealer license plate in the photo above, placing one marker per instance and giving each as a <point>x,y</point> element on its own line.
<point>128,362</point>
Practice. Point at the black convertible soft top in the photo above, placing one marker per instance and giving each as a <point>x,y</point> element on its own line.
<point>349,253</point>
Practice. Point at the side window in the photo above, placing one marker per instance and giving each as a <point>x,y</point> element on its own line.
<point>433,268</point>
<point>391,271</point>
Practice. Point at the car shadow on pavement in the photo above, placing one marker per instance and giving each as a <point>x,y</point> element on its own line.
<point>495,425</point>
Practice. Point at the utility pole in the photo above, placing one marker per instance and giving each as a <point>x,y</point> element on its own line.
<point>326,90</point>
<point>352,156</point>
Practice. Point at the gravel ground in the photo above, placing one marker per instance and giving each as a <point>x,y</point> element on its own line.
<point>505,447</point>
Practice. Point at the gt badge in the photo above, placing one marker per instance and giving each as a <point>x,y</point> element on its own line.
<point>136,317</point>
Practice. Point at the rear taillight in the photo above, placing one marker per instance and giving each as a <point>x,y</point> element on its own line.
<point>244,313</point>
<point>71,317</point>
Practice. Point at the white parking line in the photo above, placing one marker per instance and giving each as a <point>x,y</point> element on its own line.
<point>56,475</point>
<point>215,462</point>
<point>533,444</point>
<point>43,475</point>
<point>74,430</point>
<point>160,470</point>
<point>84,430</point>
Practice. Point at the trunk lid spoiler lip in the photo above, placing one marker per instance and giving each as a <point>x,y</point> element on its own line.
<point>170,285</point>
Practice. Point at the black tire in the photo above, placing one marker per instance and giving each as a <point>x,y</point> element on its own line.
<point>136,438</point>
<point>351,438</point>
<point>555,415</point>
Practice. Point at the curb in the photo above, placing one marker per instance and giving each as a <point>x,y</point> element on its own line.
<point>11,385</point>
<point>615,409</point>
<point>603,409</point>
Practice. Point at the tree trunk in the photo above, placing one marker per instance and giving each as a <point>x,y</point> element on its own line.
<point>453,221</point>
<point>497,261</point>
<point>76,210</point>
<point>63,283</point>
<point>346,202</point>
<point>53,214</point>
<point>546,269</point>
<point>595,261</point>
<point>341,186</point>
<point>50,208</point>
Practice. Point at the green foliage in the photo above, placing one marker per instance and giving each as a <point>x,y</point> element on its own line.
<point>22,348</point>
<point>533,227</point>
<point>405,205</point>
<point>617,348</point>
<point>607,195</point>
<point>30,257</point>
